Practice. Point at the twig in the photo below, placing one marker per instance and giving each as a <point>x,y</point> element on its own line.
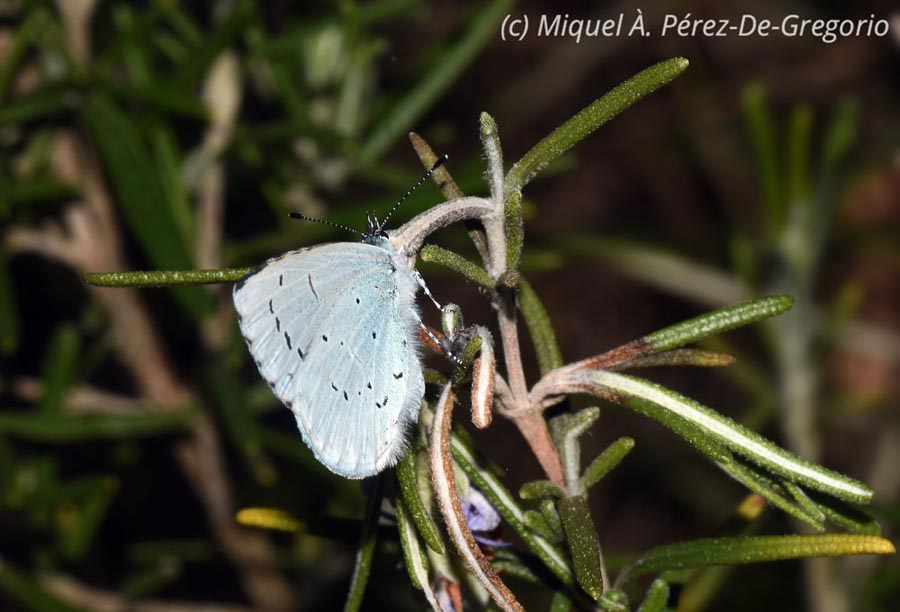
<point>99,600</point>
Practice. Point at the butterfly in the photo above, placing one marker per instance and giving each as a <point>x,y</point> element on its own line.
<point>334,331</point>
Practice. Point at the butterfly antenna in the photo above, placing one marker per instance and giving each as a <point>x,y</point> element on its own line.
<point>303,217</point>
<point>437,164</point>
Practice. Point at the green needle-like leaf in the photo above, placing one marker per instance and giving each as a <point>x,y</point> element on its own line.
<point>164,278</point>
<point>560,603</point>
<point>536,521</point>
<point>537,489</point>
<point>457,263</point>
<point>409,489</point>
<point>762,133</point>
<point>406,112</point>
<point>771,490</point>
<point>366,548</point>
<point>606,462</point>
<point>515,230</point>
<point>845,515</point>
<point>60,364</point>
<point>657,597</point>
<point>584,545</point>
<point>718,321</point>
<point>414,556</point>
<point>751,549</point>
<point>590,118</point>
<point>539,328</point>
<point>58,428</point>
<point>719,430</point>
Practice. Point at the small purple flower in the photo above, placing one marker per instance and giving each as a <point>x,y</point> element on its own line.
<point>481,517</point>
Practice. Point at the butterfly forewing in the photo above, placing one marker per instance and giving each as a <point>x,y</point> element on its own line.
<point>333,332</point>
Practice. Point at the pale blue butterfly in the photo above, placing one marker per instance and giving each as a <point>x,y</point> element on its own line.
<point>333,330</point>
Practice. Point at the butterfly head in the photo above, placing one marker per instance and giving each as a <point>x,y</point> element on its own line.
<point>374,233</point>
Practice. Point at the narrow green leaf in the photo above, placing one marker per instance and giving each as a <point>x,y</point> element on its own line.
<point>42,105</point>
<point>407,111</point>
<point>363,565</point>
<point>165,278</point>
<point>515,231</point>
<point>751,549</point>
<point>560,602</point>
<point>677,357</point>
<point>37,190</point>
<point>511,512</point>
<point>606,462</point>
<point>803,501</point>
<point>717,321</point>
<point>490,143</point>
<point>798,150</point>
<point>168,162</point>
<point>9,311</point>
<point>156,96</point>
<point>565,430</point>
<point>457,263</point>
<point>840,135</point>
<point>764,140</point>
<point>845,516</point>
<point>141,195</point>
<point>771,490</point>
<point>656,598</point>
<point>614,600</point>
<point>681,426</point>
<point>409,490</point>
<point>58,428</point>
<point>58,372</point>
<point>721,430</point>
<point>539,328</point>
<point>505,561</point>
<point>551,517</point>
<point>537,489</point>
<point>590,118</point>
<point>414,556</point>
<point>537,523</point>
<point>584,545</point>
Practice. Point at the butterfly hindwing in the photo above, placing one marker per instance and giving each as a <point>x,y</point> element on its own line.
<point>333,332</point>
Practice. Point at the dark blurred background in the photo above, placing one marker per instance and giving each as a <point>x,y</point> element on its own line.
<point>171,135</point>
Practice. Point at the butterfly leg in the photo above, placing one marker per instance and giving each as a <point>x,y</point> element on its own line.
<point>425,290</point>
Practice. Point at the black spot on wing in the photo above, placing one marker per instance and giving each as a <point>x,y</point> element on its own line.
<point>398,376</point>
<point>287,339</point>
<point>277,324</point>
<point>301,353</point>
<point>324,338</point>
<point>271,309</point>
<point>346,399</point>
<point>311,288</point>
<point>281,280</point>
